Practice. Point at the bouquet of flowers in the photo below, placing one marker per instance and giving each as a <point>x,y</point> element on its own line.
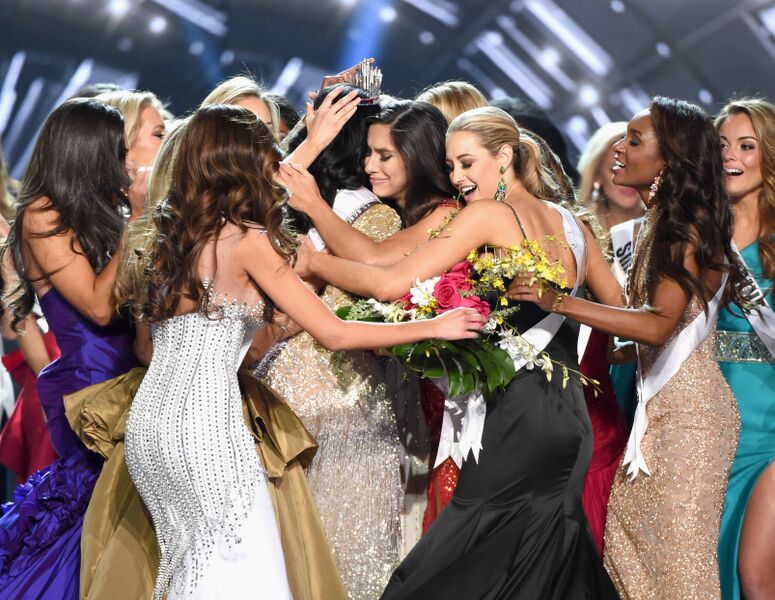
<point>479,282</point>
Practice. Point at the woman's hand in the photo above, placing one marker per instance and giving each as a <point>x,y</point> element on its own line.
<point>304,254</point>
<point>521,290</point>
<point>303,192</point>
<point>325,123</point>
<point>458,324</point>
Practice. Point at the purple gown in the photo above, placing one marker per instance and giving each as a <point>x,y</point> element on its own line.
<point>40,532</point>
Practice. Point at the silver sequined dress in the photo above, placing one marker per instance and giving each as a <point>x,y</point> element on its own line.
<point>194,461</point>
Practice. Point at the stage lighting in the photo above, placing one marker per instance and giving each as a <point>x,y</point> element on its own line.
<point>387,14</point>
<point>549,58</point>
<point>588,95</point>
<point>348,3</point>
<point>196,48</point>
<point>426,37</point>
<point>125,44</point>
<point>705,96</point>
<point>617,6</point>
<point>663,49</point>
<point>118,8</point>
<point>157,24</point>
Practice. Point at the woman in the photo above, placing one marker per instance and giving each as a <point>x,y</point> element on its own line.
<point>245,92</point>
<point>453,98</point>
<point>405,164</point>
<point>663,515</point>
<point>219,264</point>
<point>67,240</point>
<point>745,349</point>
<point>515,527</point>
<point>346,405</point>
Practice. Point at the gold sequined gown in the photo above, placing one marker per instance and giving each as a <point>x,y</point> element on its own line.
<point>662,530</point>
<point>355,476</point>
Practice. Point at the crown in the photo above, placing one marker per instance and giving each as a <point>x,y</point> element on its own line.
<point>369,78</point>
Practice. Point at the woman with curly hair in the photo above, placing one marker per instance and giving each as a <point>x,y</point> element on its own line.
<point>218,266</point>
<point>67,241</point>
<point>745,349</point>
<point>665,506</point>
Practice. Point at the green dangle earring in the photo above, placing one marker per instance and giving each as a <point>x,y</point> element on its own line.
<point>500,191</point>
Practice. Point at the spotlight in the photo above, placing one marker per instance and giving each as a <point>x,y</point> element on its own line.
<point>118,8</point>
<point>125,44</point>
<point>426,37</point>
<point>588,95</point>
<point>227,57</point>
<point>348,3</point>
<point>387,14</point>
<point>663,49</point>
<point>617,6</point>
<point>705,96</point>
<point>196,48</point>
<point>549,57</point>
<point>157,24</point>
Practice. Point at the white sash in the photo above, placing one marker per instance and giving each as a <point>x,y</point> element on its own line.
<point>762,320</point>
<point>348,206</point>
<point>461,431</point>
<point>666,365</point>
<point>623,243</point>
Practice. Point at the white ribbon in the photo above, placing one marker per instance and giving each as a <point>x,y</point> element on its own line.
<point>348,206</point>
<point>665,366</point>
<point>462,430</point>
<point>623,244</point>
<point>762,320</point>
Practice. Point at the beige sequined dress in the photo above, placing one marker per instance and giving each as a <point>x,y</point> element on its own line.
<point>355,476</point>
<point>662,530</point>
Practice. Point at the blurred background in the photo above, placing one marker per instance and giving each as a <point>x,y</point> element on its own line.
<point>585,62</point>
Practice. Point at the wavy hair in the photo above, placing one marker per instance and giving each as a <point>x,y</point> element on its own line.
<point>341,165</point>
<point>224,173</point>
<point>694,206</point>
<point>230,90</point>
<point>131,104</point>
<point>78,165</point>
<point>453,98</point>
<point>418,130</point>
<point>132,278</point>
<point>762,115</point>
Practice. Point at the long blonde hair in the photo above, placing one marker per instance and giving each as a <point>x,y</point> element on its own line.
<point>762,115</point>
<point>235,88</point>
<point>131,104</point>
<point>132,279</point>
<point>453,98</point>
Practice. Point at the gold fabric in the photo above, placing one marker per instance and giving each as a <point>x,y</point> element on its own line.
<point>344,401</point>
<point>662,530</point>
<point>119,554</point>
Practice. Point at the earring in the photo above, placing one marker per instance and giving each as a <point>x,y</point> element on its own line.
<point>500,191</point>
<point>655,185</point>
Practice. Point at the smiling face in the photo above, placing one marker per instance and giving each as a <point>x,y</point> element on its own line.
<point>384,165</point>
<point>741,152</point>
<point>637,160</point>
<point>472,168</point>
<point>625,198</point>
<point>150,133</point>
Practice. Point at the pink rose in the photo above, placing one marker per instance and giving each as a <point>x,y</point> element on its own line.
<point>407,301</point>
<point>460,275</point>
<point>477,303</point>
<point>447,293</point>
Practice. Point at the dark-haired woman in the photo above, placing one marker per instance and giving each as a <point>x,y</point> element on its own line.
<point>355,477</point>
<point>67,241</point>
<point>218,266</point>
<point>745,348</point>
<point>664,511</point>
<point>405,163</point>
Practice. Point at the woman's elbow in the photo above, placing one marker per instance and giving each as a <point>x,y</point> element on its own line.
<point>656,338</point>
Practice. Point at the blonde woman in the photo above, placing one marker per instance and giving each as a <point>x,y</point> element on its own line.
<point>246,92</point>
<point>453,98</point>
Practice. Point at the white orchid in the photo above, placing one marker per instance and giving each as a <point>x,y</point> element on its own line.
<point>422,292</point>
<point>391,311</point>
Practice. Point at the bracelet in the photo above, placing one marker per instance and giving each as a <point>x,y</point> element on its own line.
<point>558,300</point>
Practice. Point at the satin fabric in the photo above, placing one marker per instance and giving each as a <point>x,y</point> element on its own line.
<point>120,556</point>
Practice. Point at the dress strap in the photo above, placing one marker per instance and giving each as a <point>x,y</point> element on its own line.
<point>516,216</point>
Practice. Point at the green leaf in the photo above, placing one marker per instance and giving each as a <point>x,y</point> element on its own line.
<point>343,312</point>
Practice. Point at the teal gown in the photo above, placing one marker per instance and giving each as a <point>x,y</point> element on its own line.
<point>750,372</point>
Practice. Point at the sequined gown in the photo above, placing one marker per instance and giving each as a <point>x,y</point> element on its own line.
<point>355,476</point>
<point>662,530</point>
<point>750,371</point>
<point>193,459</point>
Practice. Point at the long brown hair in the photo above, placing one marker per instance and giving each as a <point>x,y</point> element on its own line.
<point>224,173</point>
<point>762,115</point>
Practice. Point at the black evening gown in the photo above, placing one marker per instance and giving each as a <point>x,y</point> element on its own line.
<point>515,528</point>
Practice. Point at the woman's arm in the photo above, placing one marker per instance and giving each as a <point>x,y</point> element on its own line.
<point>273,275</point>
<point>473,228</point>
<point>67,270</point>
<point>266,337</point>
<point>143,344</point>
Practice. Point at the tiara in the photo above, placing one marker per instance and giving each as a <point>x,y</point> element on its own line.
<point>369,78</point>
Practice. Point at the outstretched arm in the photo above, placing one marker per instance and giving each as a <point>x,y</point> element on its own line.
<point>67,270</point>
<point>344,240</point>
<point>273,275</point>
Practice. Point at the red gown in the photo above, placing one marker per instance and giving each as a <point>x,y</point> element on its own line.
<point>609,433</point>
<point>25,446</point>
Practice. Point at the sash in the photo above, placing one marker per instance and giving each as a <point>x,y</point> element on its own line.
<point>348,206</point>
<point>666,365</point>
<point>461,430</point>
<point>762,320</point>
<point>623,244</point>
